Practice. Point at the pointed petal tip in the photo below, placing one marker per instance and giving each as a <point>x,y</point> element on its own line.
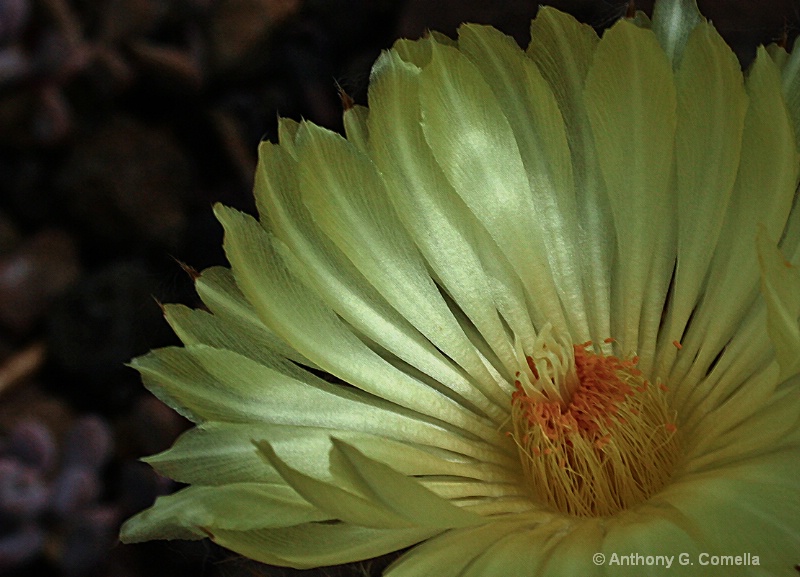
<point>673,22</point>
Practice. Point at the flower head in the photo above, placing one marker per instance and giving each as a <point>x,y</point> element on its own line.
<point>538,305</point>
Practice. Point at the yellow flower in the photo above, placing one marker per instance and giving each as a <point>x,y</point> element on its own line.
<point>537,312</point>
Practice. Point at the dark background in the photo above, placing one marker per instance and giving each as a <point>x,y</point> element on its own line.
<point>121,123</point>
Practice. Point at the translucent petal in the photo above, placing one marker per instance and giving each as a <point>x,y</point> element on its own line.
<point>760,433</point>
<point>402,494</point>
<point>630,100</point>
<point>222,453</point>
<point>197,327</point>
<point>458,553</point>
<point>317,544</point>
<point>780,285</point>
<point>528,104</point>
<point>761,494</point>
<point>572,553</point>
<point>360,492</point>
<point>324,268</point>
<point>352,208</point>
<point>308,325</point>
<point>215,454</point>
<point>436,217</point>
<point>450,553</point>
<point>673,22</point>
<point>654,529</point>
<point>355,126</point>
<point>513,554</point>
<point>287,133</point>
<point>763,194</point>
<point>220,385</point>
<point>791,87</point>
<point>711,109</point>
<point>563,50</point>
<point>217,288</point>
<point>192,512</point>
<point>723,410</point>
<point>476,149</point>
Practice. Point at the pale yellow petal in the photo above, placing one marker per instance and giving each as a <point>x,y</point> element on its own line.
<point>631,104</point>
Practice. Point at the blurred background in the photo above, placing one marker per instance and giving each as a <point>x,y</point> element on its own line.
<point>121,123</point>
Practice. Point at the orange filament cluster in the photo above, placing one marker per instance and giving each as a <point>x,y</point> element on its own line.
<point>611,445</point>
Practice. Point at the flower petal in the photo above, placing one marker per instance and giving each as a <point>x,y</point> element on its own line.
<point>780,285</point>
<point>768,166</point>
<point>325,269</point>
<point>673,23</point>
<point>652,529</point>
<point>722,409</point>
<point>631,103</point>
<point>513,554</point>
<point>563,50</point>
<point>222,453</point>
<point>365,492</point>
<point>528,104</point>
<point>572,553</point>
<point>356,127</point>
<point>791,86</point>
<point>220,385</point>
<point>352,208</point>
<point>465,260</point>
<point>217,288</point>
<point>476,150</point>
<point>192,512</point>
<point>759,433</point>
<point>307,324</point>
<point>449,554</point>
<point>197,327</point>
<point>761,494</point>
<point>317,544</point>
<point>401,493</point>
<point>711,110</point>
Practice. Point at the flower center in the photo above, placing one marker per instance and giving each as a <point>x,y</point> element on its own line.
<point>594,436</point>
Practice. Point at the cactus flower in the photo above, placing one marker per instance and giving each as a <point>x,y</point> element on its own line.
<point>536,312</point>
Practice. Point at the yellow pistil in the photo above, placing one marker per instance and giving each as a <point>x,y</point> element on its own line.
<point>609,444</point>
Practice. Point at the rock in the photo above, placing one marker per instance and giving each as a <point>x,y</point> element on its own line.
<point>33,276</point>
